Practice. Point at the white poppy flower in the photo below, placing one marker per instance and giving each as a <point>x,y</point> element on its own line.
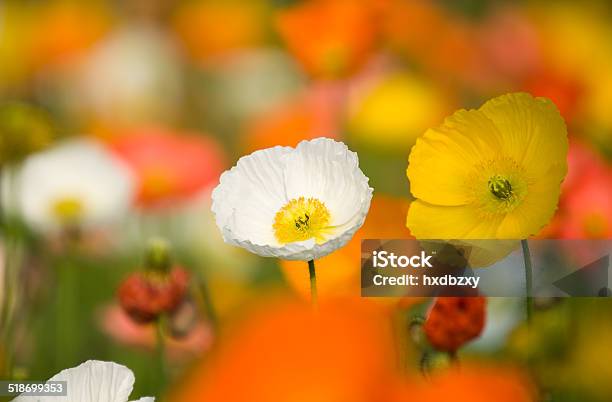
<point>293,203</point>
<point>92,381</point>
<point>75,183</point>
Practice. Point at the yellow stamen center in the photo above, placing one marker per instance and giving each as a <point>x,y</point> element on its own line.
<point>302,219</point>
<point>68,209</point>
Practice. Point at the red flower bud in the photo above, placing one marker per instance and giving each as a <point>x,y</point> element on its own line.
<point>454,321</point>
<point>146,295</point>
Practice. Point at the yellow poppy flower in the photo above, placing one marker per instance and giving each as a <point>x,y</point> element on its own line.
<point>491,173</point>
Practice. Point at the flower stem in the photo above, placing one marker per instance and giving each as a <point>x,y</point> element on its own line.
<point>453,356</point>
<point>161,351</point>
<point>313,282</point>
<point>425,364</point>
<point>10,245</point>
<point>207,303</point>
<point>528,281</point>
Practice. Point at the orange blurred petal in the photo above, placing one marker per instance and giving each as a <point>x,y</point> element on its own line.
<point>472,384</point>
<point>331,38</point>
<point>289,352</point>
<point>211,28</point>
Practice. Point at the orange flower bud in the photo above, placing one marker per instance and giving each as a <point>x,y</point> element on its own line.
<point>146,295</point>
<point>454,321</point>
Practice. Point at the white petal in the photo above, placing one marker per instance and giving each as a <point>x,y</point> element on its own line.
<point>92,381</point>
<point>145,399</point>
<point>325,169</point>
<point>249,195</point>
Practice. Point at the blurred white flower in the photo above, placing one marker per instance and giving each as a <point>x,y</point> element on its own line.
<point>293,203</point>
<point>92,381</point>
<point>133,76</point>
<point>77,183</point>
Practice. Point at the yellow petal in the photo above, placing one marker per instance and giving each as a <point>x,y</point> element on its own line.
<point>532,132</point>
<point>427,221</point>
<point>536,209</point>
<point>442,160</point>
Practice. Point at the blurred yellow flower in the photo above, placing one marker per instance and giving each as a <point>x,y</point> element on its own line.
<point>396,110</point>
<point>572,33</point>
<point>489,173</point>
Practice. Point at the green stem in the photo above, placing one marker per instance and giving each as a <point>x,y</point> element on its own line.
<point>161,350</point>
<point>313,282</point>
<point>7,311</point>
<point>528,281</point>
<point>11,264</point>
<point>425,364</point>
<point>453,356</point>
<point>207,302</point>
<point>5,262</point>
<point>6,278</point>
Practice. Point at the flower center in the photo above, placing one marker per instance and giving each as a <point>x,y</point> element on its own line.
<point>302,219</point>
<point>68,210</point>
<point>500,187</point>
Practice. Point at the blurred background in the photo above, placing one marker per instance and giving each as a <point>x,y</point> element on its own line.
<point>117,118</point>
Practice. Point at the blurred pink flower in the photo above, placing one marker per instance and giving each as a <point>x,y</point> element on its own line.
<point>585,207</point>
<point>588,206</point>
<point>582,160</point>
<point>170,166</point>
<point>119,326</point>
<point>510,43</point>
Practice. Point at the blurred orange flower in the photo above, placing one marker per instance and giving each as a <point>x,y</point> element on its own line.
<point>65,30</point>
<point>289,352</point>
<point>170,167</point>
<point>211,28</point>
<point>471,383</point>
<point>339,274</point>
<point>331,38</point>
<point>425,32</point>
<point>454,321</point>
<point>565,91</point>
<point>314,114</point>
